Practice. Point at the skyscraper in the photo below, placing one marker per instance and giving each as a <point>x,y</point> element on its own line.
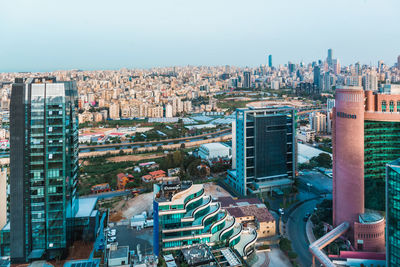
<point>270,61</point>
<point>317,77</point>
<point>364,140</point>
<point>265,149</point>
<point>246,79</point>
<point>393,213</point>
<point>398,62</point>
<point>44,167</point>
<point>330,57</point>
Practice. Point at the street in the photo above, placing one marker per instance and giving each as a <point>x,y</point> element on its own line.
<point>295,226</point>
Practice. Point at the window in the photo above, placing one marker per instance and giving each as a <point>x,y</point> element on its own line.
<point>383,106</point>
<point>391,106</point>
<point>398,106</point>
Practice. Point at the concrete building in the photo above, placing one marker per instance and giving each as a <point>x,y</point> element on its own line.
<point>114,111</point>
<point>119,256</point>
<point>265,149</point>
<point>318,122</point>
<point>393,213</point>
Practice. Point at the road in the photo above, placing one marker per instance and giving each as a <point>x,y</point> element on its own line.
<point>296,227</point>
<point>152,143</point>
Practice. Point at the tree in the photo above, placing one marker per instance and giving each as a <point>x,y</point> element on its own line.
<point>183,146</point>
<point>324,160</point>
<point>285,245</point>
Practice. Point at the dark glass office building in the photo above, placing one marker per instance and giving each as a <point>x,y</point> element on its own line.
<point>44,167</point>
<point>265,149</point>
<point>393,213</point>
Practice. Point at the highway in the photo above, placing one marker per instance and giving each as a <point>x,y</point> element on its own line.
<point>152,143</point>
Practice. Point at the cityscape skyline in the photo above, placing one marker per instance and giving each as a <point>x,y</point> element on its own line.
<point>144,35</point>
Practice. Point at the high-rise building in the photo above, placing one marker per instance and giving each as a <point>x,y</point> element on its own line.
<point>114,111</point>
<point>398,62</point>
<point>351,148</point>
<point>329,59</point>
<point>265,149</point>
<point>44,167</point>
<point>318,122</point>
<point>381,126</point>
<point>393,213</point>
<point>270,61</point>
<point>336,66</point>
<point>371,81</point>
<point>246,79</point>
<point>317,77</point>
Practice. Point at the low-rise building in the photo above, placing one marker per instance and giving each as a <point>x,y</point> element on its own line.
<point>119,256</point>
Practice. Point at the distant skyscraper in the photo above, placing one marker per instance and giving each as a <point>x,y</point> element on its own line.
<point>265,149</point>
<point>329,59</point>
<point>270,61</point>
<point>44,167</point>
<point>398,62</point>
<point>393,213</point>
<point>317,77</point>
<point>246,79</point>
<point>336,66</point>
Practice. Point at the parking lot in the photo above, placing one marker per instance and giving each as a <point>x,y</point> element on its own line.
<point>132,237</point>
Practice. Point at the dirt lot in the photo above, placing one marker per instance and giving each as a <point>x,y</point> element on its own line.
<point>215,190</point>
<point>134,157</point>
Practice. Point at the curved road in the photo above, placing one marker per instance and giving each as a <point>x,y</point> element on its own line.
<point>296,230</point>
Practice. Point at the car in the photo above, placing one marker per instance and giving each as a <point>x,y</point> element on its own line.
<point>110,235</point>
<point>111,239</point>
<point>113,231</point>
<point>281,211</point>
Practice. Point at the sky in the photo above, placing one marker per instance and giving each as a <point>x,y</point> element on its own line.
<point>48,35</point>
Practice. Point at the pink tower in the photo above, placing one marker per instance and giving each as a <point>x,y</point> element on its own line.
<point>348,156</point>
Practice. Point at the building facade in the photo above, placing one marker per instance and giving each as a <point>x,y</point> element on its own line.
<point>185,216</point>
<point>265,149</point>
<point>44,167</point>
<point>367,228</point>
<point>393,213</point>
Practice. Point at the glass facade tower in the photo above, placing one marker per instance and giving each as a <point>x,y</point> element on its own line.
<point>44,167</point>
<point>265,149</point>
<point>381,145</point>
<point>393,213</point>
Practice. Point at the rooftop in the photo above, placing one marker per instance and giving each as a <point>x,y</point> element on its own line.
<point>120,252</point>
<point>260,213</point>
<point>230,202</point>
<point>197,255</point>
<point>83,263</point>
<point>370,217</point>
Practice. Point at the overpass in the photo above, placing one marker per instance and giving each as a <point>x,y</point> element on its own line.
<point>316,247</point>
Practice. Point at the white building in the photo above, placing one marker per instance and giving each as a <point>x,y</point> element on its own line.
<point>168,111</point>
<point>214,151</point>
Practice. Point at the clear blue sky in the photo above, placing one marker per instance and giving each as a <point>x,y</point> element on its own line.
<point>46,35</point>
